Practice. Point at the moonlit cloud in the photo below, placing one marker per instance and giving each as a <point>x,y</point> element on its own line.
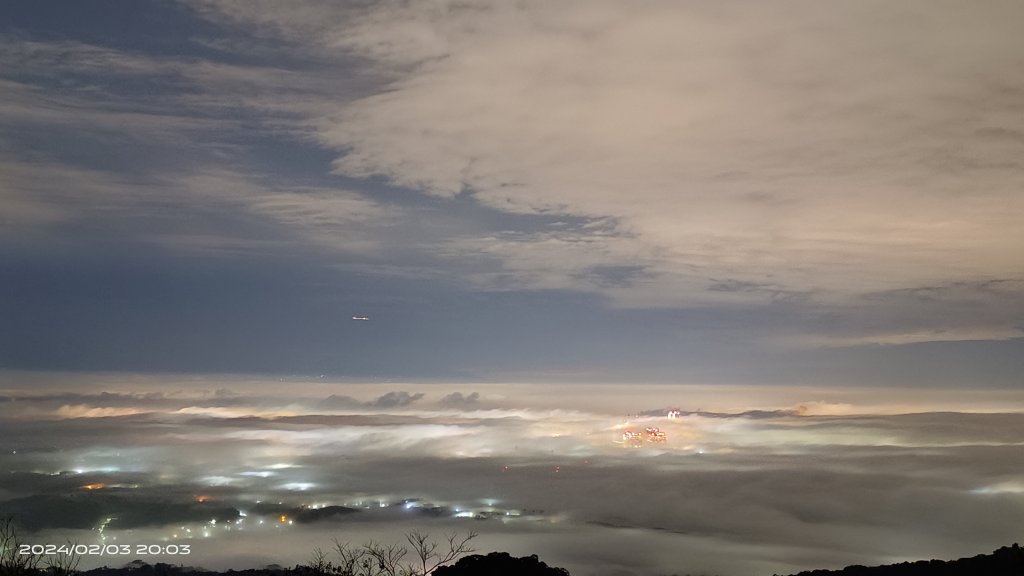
<point>632,124</point>
<point>820,152</point>
<point>396,399</point>
<point>457,399</point>
<point>822,482</point>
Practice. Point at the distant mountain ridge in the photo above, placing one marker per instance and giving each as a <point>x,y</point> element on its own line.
<point>1006,561</point>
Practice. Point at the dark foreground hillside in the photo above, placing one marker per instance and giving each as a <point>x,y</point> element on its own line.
<point>1006,561</point>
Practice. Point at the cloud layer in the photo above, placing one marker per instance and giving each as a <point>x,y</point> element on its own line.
<point>816,484</point>
<point>839,149</point>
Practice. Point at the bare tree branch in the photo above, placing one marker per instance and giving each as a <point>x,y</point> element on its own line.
<point>427,555</point>
<point>64,564</point>
<point>378,559</point>
<point>12,563</point>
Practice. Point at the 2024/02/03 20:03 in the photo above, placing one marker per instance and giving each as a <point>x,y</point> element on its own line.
<point>105,549</point>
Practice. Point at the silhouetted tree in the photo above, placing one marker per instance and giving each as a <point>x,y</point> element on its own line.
<point>378,559</point>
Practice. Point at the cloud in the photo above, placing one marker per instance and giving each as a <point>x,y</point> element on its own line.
<point>825,168</point>
<point>396,399</point>
<point>805,149</point>
<point>458,399</point>
<point>987,310</point>
<point>29,198</point>
<point>85,411</point>
<point>339,401</point>
<point>836,484</point>
<point>822,409</point>
<point>162,122</point>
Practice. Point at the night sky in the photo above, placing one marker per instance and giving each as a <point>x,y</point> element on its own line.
<point>574,191</point>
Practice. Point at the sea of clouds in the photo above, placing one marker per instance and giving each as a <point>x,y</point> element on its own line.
<point>751,480</point>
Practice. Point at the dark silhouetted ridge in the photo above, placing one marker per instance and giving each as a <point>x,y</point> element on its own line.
<point>500,564</point>
<point>1006,561</point>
